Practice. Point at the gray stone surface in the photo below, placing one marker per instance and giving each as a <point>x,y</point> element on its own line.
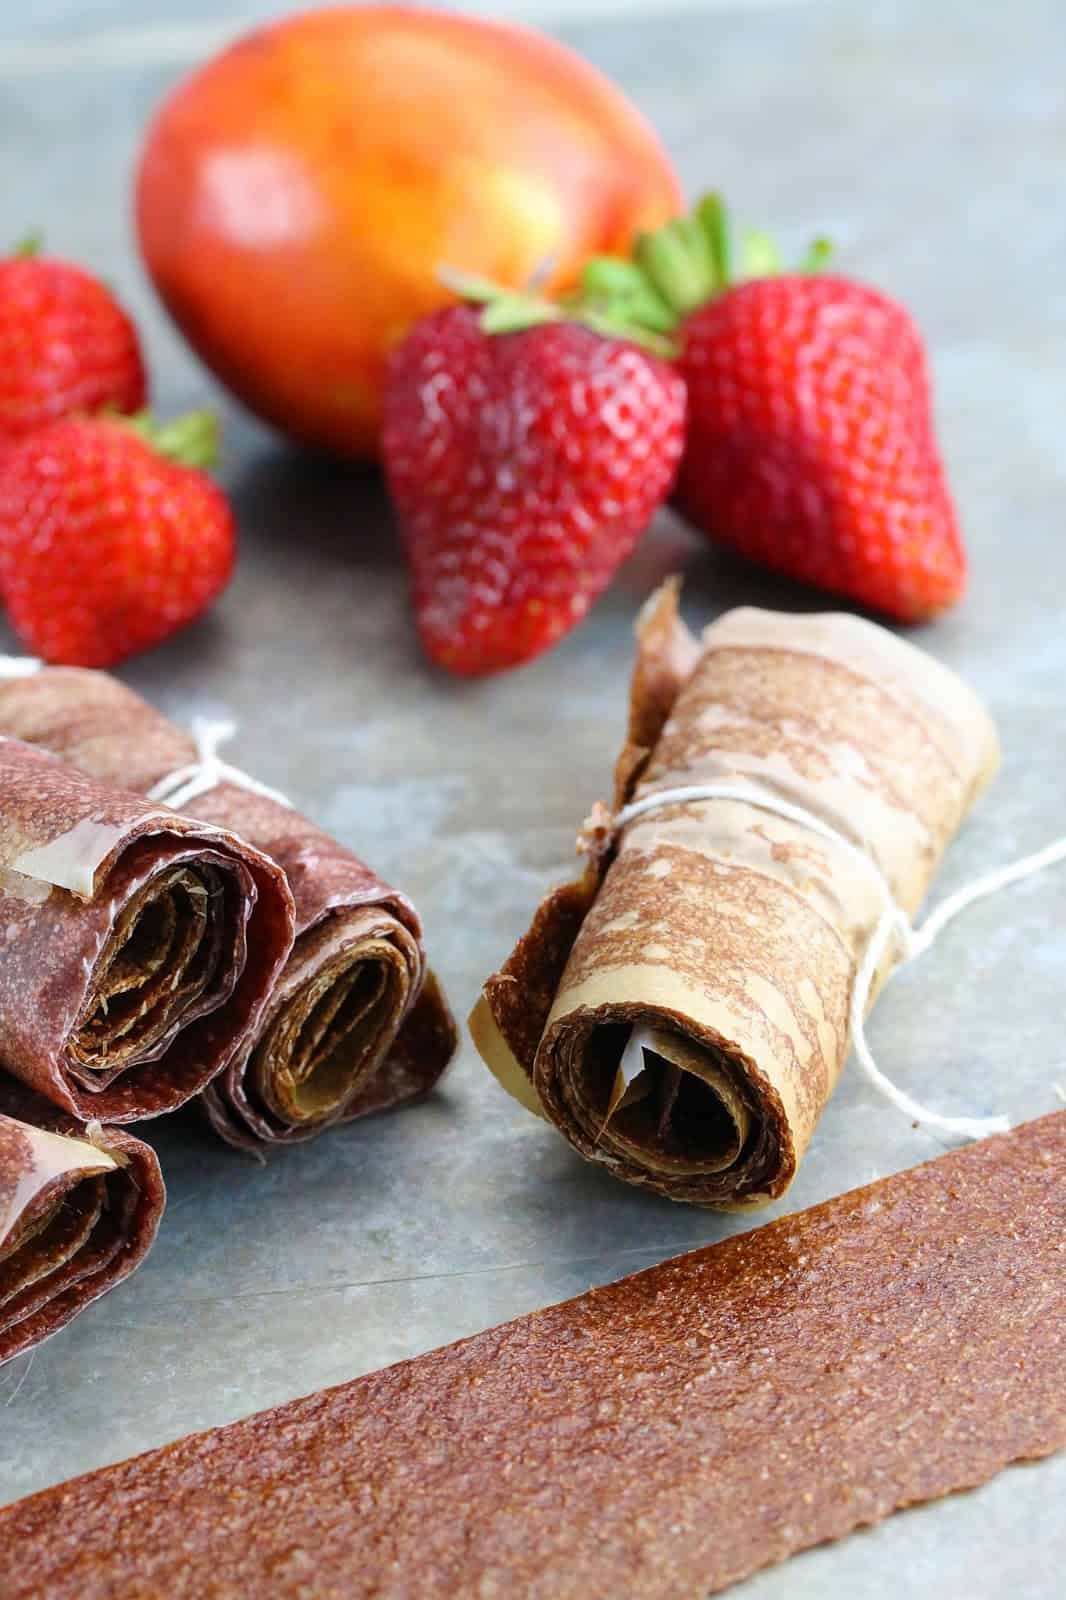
<point>930,140</point>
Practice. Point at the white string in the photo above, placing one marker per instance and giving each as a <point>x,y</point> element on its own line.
<point>987,883</point>
<point>763,800</point>
<point>893,923</point>
<point>188,783</point>
<point>178,789</point>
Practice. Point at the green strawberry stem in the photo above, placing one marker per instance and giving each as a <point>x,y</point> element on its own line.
<point>597,306</point>
<point>674,270</point>
<point>31,244</point>
<point>713,218</point>
<point>678,263</point>
<point>818,257</point>
<point>191,440</point>
<point>761,254</point>
<point>685,263</point>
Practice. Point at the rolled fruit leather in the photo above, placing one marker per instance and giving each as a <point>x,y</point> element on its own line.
<point>357,1022</point>
<point>680,1013</point>
<point>79,1209</point>
<point>138,947</point>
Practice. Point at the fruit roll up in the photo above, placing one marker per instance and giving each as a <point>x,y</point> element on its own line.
<point>139,947</point>
<point>681,1012</point>
<point>658,1438</point>
<point>79,1209</point>
<point>357,1023</point>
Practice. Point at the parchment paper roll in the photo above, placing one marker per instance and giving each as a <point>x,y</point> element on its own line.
<point>681,1012</point>
<point>138,947</point>
<point>79,1209</point>
<point>357,1022</point>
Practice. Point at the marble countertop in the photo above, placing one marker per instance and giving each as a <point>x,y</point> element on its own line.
<point>930,141</point>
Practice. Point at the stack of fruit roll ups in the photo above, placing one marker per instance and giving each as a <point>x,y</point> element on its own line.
<point>139,947</point>
<point>79,1208</point>
<point>356,1022</point>
<point>681,1013</point>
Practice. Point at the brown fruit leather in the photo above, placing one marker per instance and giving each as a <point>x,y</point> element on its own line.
<point>79,1209</point>
<point>139,947</point>
<point>661,1437</point>
<point>356,1022</point>
<point>721,937</point>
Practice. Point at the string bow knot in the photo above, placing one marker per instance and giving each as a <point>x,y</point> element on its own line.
<point>186,784</point>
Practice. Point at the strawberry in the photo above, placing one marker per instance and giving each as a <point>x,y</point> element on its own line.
<point>810,445</point>
<point>525,453</point>
<point>66,345</point>
<point>110,540</point>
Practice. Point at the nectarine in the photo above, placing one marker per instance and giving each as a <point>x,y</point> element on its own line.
<point>297,195</point>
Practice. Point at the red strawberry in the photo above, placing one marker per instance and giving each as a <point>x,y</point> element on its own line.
<point>524,466</point>
<point>810,445</point>
<point>66,345</point>
<point>108,542</point>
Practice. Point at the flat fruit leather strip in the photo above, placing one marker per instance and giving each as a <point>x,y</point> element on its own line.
<point>139,948</point>
<point>79,1210</point>
<point>681,1012</point>
<point>357,1023</point>
<point>660,1438</point>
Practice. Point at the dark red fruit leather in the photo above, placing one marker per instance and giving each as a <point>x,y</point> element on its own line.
<point>139,948</point>
<point>357,1022</point>
<point>79,1209</point>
